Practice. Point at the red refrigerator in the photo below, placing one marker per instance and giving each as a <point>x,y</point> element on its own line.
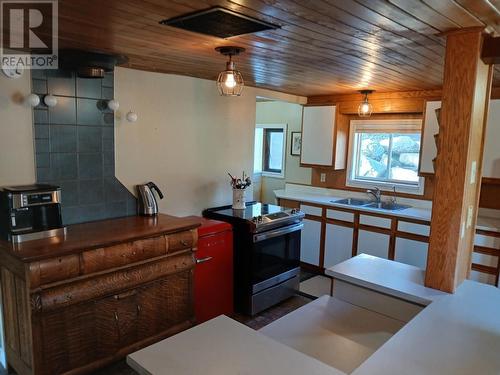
<point>213,275</point>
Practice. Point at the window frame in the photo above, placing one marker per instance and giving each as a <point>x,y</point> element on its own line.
<point>265,153</point>
<point>381,126</point>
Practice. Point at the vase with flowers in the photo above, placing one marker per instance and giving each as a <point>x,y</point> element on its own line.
<point>239,186</point>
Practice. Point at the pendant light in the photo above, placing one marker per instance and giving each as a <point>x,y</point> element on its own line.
<point>365,108</point>
<point>230,82</point>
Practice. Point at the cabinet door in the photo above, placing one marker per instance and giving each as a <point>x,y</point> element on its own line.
<point>491,159</point>
<point>164,304</point>
<point>411,252</point>
<point>428,150</point>
<point>373,243</point>
<point>69,339</point>
<point>310,242</point>
<point>338,244</point>
<point>318,124</point>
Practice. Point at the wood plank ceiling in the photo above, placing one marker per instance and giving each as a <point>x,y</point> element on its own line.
<point>322,47</point>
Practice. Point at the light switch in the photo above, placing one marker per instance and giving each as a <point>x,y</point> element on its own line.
<point>473,172</point>
<point>470,211</point>
<point>322,177</point>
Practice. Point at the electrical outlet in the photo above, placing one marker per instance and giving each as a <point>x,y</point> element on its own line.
<point>322,177</point>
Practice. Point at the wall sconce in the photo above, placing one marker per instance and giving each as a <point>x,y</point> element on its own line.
<point>131,116</point>
<point>113,104</point>
<point>365,108</point>
<point>32,100</point>
<point>230,81</point>
<point>50,100</point>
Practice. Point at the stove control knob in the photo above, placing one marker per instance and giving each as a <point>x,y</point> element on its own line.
<point>255,219</point>
<point>259,219</point>
<point>294,211</point>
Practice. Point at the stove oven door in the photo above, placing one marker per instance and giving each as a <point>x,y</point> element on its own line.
<point>275,256</point>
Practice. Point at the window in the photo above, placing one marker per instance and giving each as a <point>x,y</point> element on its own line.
<point>270,142</point>
<point>385,153</point>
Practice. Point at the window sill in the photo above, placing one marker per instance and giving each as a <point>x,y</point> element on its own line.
<point>273,175</point>
<point>400,188</point>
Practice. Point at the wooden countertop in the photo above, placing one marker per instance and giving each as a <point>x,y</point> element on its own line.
<point>97,234</point>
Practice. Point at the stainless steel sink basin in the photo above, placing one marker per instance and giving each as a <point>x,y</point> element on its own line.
<point>353,201</point>
<point>388,206</point>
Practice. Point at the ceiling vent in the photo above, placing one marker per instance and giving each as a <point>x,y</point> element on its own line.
<point>219,22</point>
<point>89,64</point>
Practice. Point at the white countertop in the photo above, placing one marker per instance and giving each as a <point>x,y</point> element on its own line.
<point>418,213</point>
<point>458,334</point>
<point>223,346</point>
<point>386,276</point>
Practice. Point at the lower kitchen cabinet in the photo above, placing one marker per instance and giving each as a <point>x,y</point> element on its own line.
<point>338,244</point>
<point>310,242</point>
<point>373,243</point>
<point>113,294</point>
<point>411,252</point>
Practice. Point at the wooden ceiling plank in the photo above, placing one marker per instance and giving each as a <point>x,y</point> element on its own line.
<point>73,25</point>
<point>426,14</point>
<point>454,11</point>
<point>486,11</point>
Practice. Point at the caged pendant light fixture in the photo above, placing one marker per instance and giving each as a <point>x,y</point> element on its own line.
<point>230,82</point>
<point>365,108</point>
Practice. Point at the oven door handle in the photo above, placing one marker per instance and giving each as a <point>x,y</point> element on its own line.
<point>277,232</point>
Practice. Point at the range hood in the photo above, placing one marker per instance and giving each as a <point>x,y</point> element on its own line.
<point>89,64</point>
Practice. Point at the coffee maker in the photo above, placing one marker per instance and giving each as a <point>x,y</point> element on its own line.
<point>30,212</point>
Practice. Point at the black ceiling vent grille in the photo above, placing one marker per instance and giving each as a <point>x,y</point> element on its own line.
<point>219,22</point>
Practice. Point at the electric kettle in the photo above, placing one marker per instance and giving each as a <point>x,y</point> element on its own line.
<point>147,205</point>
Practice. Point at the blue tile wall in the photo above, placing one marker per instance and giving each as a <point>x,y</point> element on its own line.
<point>75,146</point>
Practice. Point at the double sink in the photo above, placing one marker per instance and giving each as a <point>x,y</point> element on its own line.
<point>389,206</point>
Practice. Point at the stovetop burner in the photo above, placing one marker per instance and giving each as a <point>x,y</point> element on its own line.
<point>259,216</point>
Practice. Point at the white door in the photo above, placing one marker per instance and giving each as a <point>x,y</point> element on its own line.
<point>372,243</point>
<point>310,242</point>
<point>338,244</point>
<point>491,162</point>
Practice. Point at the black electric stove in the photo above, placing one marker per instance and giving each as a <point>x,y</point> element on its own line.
<point>266,253</point>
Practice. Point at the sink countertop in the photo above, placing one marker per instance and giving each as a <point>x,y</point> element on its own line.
<point>458,334</point>
<point>416,213</point>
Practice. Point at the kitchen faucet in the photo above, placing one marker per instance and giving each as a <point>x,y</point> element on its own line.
<point>376,194</point>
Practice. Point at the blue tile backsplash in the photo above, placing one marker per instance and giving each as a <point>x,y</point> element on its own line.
<point>74,146</point>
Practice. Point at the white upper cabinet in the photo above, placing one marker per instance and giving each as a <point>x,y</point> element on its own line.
<point>318,126</point>
<point>491,159</point>
<point>431,127</point>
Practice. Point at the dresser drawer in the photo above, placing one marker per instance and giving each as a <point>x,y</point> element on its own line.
<point>55,269</point>
<point>123,254</point>
<point>181,241</point>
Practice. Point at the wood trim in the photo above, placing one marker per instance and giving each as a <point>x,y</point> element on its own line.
<point>490,53</point>
<point>355,235</point>
<point>392,241</point>
<point>487,250</point>
<point>484,269</point>
<point>488,233</point>
<point>490,181</point>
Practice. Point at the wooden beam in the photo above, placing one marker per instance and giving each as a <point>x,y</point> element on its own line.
<point>491,50</point>
<point>466,90</point>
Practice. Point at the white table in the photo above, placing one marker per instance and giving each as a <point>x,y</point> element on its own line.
<point>223,346</point>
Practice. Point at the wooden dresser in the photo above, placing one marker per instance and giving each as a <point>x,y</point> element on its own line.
<point>74,304</point>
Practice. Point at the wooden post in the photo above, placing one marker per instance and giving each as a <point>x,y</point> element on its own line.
<point>466,92</point>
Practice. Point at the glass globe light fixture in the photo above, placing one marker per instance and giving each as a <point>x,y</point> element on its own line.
<point>230,81</point>
<point>365,108</point>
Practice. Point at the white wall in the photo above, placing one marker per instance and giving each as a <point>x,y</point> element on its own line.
<point>17,162</point>
<point>278,112</point>
<point>187,137</point>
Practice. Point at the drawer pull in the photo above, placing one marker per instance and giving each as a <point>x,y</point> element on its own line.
<point>203,260</point>
<point>184,243</point>
<point>125,295</point>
